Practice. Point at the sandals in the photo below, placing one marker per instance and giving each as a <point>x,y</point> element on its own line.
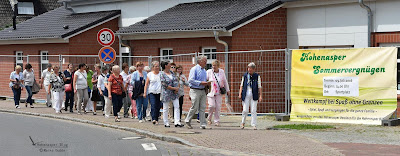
<point>117,120</point>
<point>242,126</point>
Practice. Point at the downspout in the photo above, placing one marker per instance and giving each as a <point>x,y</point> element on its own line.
<point>216,35</point>
<point>369,20</point>
<point>15,16</point>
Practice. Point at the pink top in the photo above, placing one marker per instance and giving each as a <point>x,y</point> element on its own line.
<point>223,82</point>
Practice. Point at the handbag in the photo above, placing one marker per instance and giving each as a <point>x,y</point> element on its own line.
<point>122,88</point>
<point>68,87</point>
<point>95,94</point>
<point>221,89</point>
<point>35,88</point>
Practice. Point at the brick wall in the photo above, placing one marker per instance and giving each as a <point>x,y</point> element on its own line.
<point>265,33</point>
<point>82,44</point>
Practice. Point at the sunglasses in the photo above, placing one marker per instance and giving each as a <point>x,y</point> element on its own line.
<point>173,67</point>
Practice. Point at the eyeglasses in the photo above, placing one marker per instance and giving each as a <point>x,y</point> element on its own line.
<point>173,67</point>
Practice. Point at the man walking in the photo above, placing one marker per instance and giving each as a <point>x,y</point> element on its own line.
<point>45,80</point>
<point>197,84</point>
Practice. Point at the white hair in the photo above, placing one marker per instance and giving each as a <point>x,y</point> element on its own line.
<point>132,68</point>
<point>199,58</point>
<point>115,68</point>
<point>252,65</point>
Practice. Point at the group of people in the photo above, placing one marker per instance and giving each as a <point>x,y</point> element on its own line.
<point>134,87</point>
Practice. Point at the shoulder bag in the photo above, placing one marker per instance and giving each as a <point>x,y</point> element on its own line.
<point>221,89</point>
<point>122,88</point>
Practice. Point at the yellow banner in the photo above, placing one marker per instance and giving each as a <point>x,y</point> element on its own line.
<point>344,85</point>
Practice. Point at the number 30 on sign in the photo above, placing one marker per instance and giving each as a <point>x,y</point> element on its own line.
<point>106,37</point>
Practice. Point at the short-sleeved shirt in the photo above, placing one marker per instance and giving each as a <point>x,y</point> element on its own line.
<point>154,83</point>
<point>81,80</point>
<point>46,75</point>
<point>124,77</point>
<point>116,84</point>
<point>15,76</point>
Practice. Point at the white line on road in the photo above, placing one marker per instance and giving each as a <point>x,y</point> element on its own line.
<point>149,147</point>
<point>131,138</point>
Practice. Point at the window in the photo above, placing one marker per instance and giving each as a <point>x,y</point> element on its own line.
<point>166,52</point>
<point>398,61</point>
<point>26,8</point>
<point>44,60</point>
<point>208,51</point>
<point>19,60</point>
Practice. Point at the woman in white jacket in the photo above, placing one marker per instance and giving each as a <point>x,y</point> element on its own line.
<point>219,86</point>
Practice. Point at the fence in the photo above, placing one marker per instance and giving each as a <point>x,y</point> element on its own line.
<point>272,65</point>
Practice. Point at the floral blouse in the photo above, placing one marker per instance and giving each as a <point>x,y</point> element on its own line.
<point>167,94</point>
<point>57,82</point>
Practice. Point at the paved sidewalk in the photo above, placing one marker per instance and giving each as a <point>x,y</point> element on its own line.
<point>226,137</point>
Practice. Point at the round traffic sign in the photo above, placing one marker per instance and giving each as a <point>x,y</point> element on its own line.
<point>107,55</point>
<point>106,37</point>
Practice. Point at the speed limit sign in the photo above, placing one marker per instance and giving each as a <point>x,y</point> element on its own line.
<point>106,37</point>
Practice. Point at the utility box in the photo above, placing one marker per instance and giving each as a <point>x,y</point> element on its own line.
<point>282,117</point>
<point>391,122</point>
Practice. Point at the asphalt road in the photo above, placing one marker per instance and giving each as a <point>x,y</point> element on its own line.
<point>29,135</point>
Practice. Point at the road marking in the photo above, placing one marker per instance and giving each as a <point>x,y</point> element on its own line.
<point>149,147</point>
<point>131,138</point>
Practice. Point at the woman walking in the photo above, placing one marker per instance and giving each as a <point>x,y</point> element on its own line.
<point>69,88</point>
<point>250,92</point>
<point>56,87</point>
<point>132,69</point>
<point>81,87</point>
<point>16,81</point>
<point>138,82</point>
<point>116,90</point>
<point>102,85</point>
<point>170,90</point>
<point>29,78</point>
<point>95,92</point>
<point>182,83</point>
<point>219,87</point>
<point>153,89</point>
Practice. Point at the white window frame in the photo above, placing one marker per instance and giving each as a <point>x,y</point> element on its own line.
<point>209,55</point>
<point>170,50</point>
<point>44,59</point>
<point>26,8</point>
<point>19,59</point>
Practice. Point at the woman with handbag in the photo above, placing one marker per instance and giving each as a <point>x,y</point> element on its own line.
<point>29,78</point>
<point>117,90</point>
<point>81,87</point>
<point>56,87</point>
<point>138,79</point>
<point>170,89</point>
<point>153,89</point>
<point>16,81</point>
<point>219,86</point>
<point>95,91</point>
<point>102,85</point>
<point>69,89</point>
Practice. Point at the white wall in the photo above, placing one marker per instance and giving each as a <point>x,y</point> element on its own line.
<point>134,10</point>
<point>341,24</point>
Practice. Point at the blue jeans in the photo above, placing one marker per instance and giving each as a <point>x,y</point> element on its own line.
<point>155,106</point>
<point>69,100</point>
<point>29,91</point>
<point>17,95</point>
<point>141,102</point>
<point>117,103</point>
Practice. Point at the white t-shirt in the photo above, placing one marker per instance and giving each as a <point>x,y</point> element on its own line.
<point>124,77</point>
<point>81,81</point>
<point>154,83</point>
<point>100,83</point>
<point>46,75</point>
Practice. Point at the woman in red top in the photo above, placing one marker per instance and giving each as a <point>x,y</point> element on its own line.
<point>115,89</point>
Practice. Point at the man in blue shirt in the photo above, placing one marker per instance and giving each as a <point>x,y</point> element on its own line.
<point>197,84</point>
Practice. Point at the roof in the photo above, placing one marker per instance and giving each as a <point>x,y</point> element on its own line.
<point>51,24</point>
<point>6,11</point>
<point>208,15</point>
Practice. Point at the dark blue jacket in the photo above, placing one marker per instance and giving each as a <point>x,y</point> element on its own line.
<point>254,86</point>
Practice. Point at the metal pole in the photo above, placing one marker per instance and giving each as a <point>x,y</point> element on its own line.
<point>150,60</point>
<point>27,59</point>
<point>60,61</point>
<point>286,81</point>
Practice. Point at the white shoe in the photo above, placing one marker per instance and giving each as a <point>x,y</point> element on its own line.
<point>107,116</point>
<point>140,121</point>
<point>17,106</point>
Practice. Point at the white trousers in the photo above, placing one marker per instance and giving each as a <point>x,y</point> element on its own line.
<point>107,108</point>
<point>253,104</point>
<point>58,98</point>
<point>176,112</point>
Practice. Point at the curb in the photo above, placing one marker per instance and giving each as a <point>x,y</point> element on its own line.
<point>153,135</point>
